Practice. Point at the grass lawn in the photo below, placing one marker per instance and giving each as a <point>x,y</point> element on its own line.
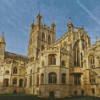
<point>23,96</point>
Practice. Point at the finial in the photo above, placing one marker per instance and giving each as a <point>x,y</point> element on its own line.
<point>69,20</point>
<point>96,39</point>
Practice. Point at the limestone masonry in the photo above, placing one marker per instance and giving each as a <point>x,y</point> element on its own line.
<point>64,67</point>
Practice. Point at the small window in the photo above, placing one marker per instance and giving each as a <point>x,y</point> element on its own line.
<point>52,59</point>
<point>63,63</point>
<point>42,48</point>
<point>31,72</point>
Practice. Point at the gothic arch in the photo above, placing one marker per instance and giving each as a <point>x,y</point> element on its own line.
<point>43,35</point>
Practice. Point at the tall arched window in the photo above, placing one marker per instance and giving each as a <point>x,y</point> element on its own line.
<point>42,78</point>
<point>49,38</point>
<point>43,36</point>
<point>14,80</point>
<point>63,63</point>
<point>30,81</point>
<point>64,78</point>
<point>52,78</point>
<point>52,59</point>
<point>42,48</point>
<point>91,61</point>
<point>37,80</point>
<point>15,70</point>
<point>76,55</point>
<point>25,81</point>
<point>92,77</point>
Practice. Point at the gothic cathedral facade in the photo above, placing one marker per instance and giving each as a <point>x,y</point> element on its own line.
<point>60,68</point>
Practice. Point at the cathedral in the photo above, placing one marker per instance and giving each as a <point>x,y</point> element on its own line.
<point>69,66</point>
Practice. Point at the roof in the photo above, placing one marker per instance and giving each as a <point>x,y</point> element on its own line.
<point>13,55</point>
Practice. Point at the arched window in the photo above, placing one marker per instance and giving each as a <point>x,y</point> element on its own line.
<point>76,55</point>
<point>42,78</point>
<point>15,70</point>
<point>30,71</point>
<point>52,59</point>
<point>14,80</point>
<point>43,35</point>
<point>63,63</point>
<point>77,79</point>
<point>7,72</point>
<point>92,77</point>
<point>37,80</point>
<point>91,61</point>
<point>30,81</point>
<point>42,48</point>
<point>38,69</point>
<point>64,78</point>
<point>42,63</point>
<point>52,78</point>
<point>49,38</point>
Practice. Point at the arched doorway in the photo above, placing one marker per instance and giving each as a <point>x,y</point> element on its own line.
<point>51,94</point>
<point>82,92</point>
<point>93,91</point>
<point>15,91</point>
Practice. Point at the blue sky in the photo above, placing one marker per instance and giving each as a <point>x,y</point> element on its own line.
<point>16,17</point>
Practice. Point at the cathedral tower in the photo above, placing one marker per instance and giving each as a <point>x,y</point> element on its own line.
<point>41,36</point>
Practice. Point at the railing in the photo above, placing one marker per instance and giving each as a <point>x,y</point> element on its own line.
<point>76,70</point>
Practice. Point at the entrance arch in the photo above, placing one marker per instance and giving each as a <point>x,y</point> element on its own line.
<point>51,94</point>
<point>82,92</point>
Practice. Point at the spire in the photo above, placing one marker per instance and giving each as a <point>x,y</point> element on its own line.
<point>96,39</point>
<point>70,23</point>
<point>53,22</point>
<point>39,14</point>
<point>39,19</point>
<point>2,38</point>
<point>82,27</point>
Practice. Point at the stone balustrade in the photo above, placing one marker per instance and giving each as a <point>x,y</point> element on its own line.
<point>76,70</point>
